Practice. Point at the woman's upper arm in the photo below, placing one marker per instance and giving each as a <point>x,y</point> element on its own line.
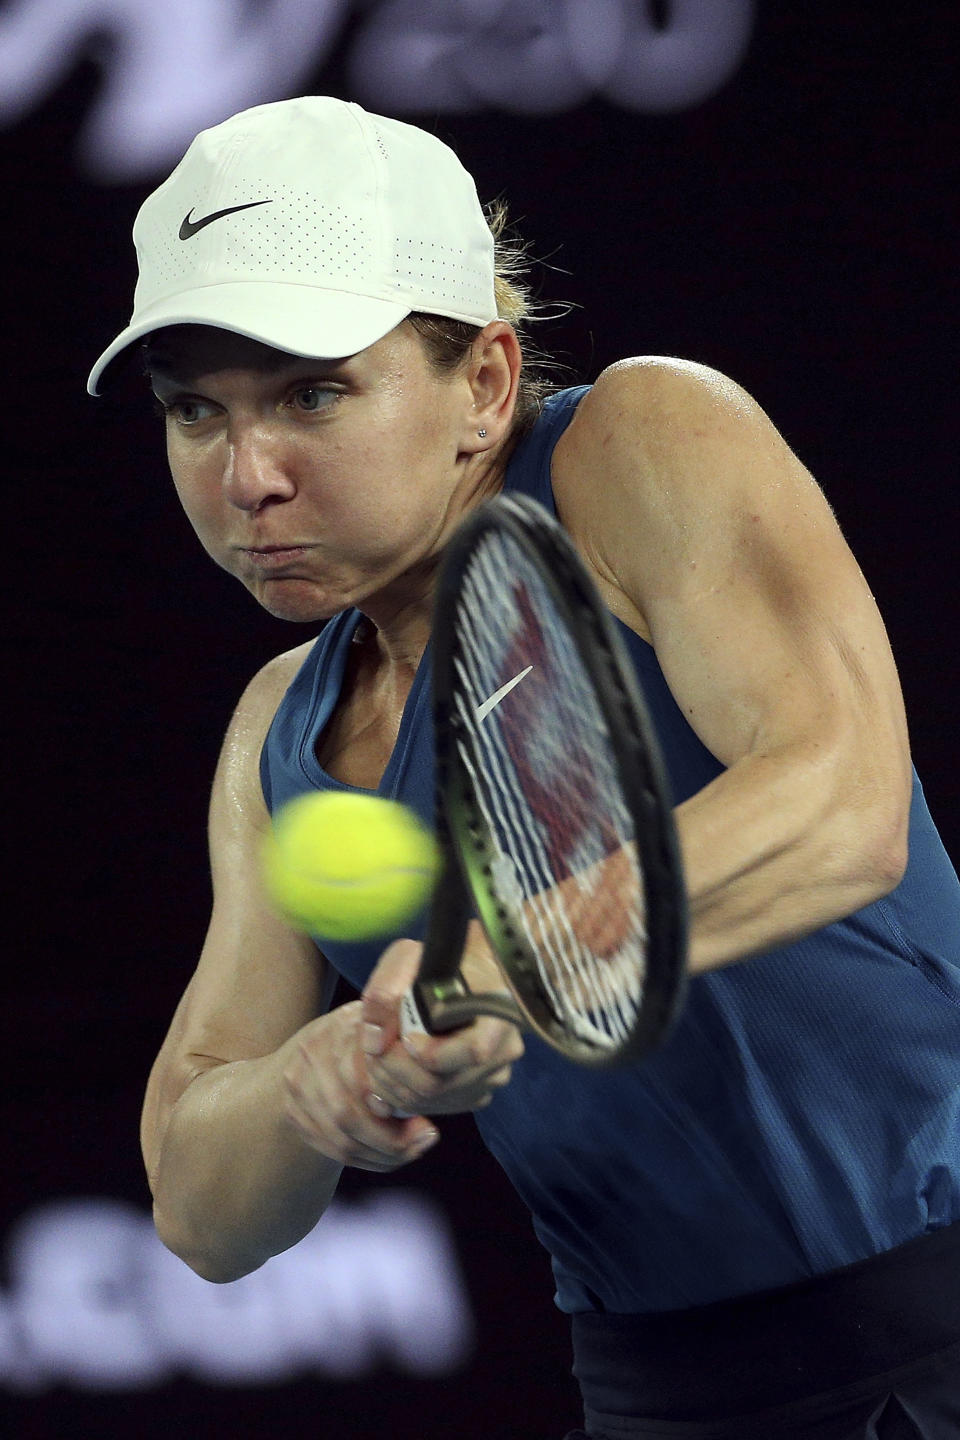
<point>713,541</point>
<point>257,981</point>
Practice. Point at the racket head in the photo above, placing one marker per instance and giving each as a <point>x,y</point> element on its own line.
<point>512,550</point>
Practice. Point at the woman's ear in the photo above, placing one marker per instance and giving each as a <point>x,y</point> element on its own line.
<point>493,375</point>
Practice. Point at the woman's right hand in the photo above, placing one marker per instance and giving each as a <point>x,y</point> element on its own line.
<point>328,1098</point>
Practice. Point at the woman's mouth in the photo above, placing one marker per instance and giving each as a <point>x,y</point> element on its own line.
<point>270,557</point>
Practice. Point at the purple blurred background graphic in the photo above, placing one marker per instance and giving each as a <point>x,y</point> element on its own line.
<point>765,188</point>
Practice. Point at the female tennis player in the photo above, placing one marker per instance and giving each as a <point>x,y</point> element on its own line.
<point>755,1229</point>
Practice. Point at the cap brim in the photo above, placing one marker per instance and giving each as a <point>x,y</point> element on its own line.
<point>299,319</point>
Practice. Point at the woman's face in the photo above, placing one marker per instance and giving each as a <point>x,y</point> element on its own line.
<point>318,484</point>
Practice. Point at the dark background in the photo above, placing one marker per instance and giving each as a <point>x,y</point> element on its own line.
<point>791,230</point>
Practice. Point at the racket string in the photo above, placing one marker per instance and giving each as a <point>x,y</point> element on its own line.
<point>564,864</point>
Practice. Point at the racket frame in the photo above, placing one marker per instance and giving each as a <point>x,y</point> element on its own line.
<point>443,998</point>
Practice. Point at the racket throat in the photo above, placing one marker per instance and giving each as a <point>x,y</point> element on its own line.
<point>449,1003</point>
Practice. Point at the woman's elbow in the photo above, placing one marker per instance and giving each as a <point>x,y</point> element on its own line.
<point>202,1259</point>
<point>886,837</point>
<point>891,857</point>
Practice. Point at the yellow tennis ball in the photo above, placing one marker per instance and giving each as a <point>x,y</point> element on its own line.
<point>348,867</point>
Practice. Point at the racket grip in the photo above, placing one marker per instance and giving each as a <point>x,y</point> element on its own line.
<point>410,1021</point>
<point>410,1024</point>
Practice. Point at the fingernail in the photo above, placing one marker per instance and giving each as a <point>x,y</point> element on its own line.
<point>372,1039</point>
<point>424,1142</point>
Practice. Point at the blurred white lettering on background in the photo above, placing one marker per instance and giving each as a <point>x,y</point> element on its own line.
<point>172,69</point>
<point>97,1303</point>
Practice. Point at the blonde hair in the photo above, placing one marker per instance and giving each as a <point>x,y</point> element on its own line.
<point>448,342</point>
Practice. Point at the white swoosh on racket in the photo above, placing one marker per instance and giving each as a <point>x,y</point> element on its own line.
<point>482,711</point>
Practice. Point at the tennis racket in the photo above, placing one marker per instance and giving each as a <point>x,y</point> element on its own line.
<point>553,808</point>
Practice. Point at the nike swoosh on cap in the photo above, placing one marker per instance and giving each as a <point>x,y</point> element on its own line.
<point>190,227</point>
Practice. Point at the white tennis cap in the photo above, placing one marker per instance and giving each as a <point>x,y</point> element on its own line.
<point>314,227</point>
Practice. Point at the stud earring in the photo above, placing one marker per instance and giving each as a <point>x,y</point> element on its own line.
<point>482,434</point>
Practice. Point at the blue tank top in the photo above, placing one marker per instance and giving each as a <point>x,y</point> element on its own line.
<point>805,1112</point>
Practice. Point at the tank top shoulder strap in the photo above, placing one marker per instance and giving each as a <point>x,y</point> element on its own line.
<point>288,763</point>
<point>528,472</point>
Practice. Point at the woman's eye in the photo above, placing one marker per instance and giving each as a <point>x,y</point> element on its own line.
<point>314,397</point>
<point>184,411</point>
